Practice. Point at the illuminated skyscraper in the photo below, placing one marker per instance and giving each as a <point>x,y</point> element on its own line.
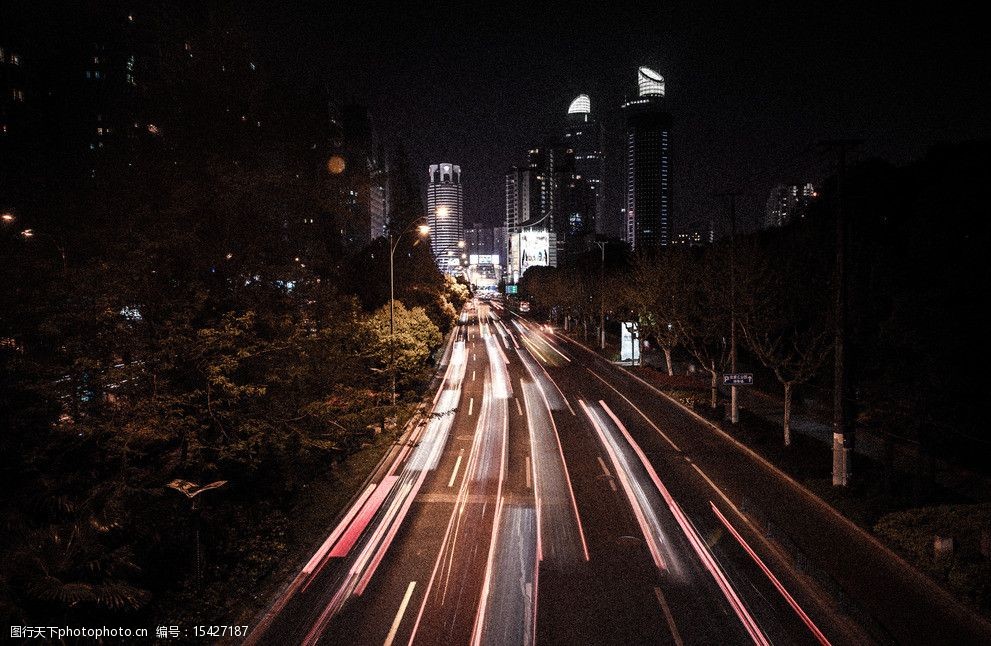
<point>648,165</point>
<point>445,215</point>
<point>787,203</point>
<point>583,136</point>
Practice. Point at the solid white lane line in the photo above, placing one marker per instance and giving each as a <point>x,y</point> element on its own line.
<point>551,346</point>
<point>551,379</point>
<point>696,541</point>
<point>717,489</point>
<point>399,615</point>
<point>454,474</point>
<point>533,348</point>
<point>777,584</point>
<point>471,405</point>
<point>636,408</point>
<point>518,406</point>
<point>528,472</point>
<point>668,616</point>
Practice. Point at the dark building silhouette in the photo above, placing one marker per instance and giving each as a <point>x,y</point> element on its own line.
<point>583,136</point>
<point>648,165</point>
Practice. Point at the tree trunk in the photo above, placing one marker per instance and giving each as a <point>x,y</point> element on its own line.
<point>787,413</point>
<point>715,386</point>
<point>667,358</point>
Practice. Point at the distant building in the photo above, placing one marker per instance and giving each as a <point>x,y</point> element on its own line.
<point>648,165</point>
<point>445,215</point>
<point>364,180</point>
<point>788,203</point>
<point>695,238</point>
<point>485,247</point>
<point>530,214</point>
<point>583,136</point>
<point>480,241</point>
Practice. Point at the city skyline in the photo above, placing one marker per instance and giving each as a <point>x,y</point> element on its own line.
<point>318,324</point>
<point>717,74</point>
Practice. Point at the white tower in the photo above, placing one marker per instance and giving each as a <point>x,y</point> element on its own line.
<point>445,215</point>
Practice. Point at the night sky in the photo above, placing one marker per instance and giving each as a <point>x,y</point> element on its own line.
<point>752,86</point>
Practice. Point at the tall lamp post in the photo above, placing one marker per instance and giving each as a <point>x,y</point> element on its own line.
<point>191,490</point>
<point>452,250</point>
<point>601,244</point>
<point>423,230</point>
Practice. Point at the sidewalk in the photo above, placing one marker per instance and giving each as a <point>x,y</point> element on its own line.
<point>902,454</point>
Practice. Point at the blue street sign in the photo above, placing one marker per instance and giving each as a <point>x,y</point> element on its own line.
<point>738,379</point>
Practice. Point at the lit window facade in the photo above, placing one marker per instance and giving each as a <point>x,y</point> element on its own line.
<point>649,82</point>
<point>445,215</point>
<point>648,166</point>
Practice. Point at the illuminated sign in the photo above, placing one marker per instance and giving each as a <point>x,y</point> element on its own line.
<point>629,345</point>
<point>483,259</point>
<point>534,249</point>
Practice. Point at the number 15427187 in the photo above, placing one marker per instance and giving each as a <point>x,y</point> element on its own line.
<point>220,631</point>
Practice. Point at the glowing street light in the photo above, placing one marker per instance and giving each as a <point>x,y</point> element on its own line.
<point>7,217</point>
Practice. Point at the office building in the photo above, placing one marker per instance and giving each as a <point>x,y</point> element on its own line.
<point>788,203</point>
<point>648,165</point>
<point>584,197</point>
<point>445,215</point>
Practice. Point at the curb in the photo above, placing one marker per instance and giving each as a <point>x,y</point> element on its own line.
<point>910,569</point>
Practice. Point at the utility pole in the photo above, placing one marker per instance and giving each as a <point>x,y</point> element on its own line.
<point>734,407</point>
<point>843,437</point>
<point>601,244</point>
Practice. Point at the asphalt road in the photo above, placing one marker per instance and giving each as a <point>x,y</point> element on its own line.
<point>552,498</point>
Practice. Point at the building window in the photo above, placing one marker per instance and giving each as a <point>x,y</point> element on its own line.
<point>18,94</point>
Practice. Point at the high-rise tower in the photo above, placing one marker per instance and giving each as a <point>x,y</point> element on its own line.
<point>583,136</point>
<point>445,215</point>
<point>648,165</point>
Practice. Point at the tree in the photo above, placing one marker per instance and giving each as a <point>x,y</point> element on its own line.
<point>705,319</point>
<point>781,305</point>
<point>655,293</point>
<point>414,341</point>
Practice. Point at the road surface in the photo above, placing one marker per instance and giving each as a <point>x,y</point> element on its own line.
<point>551,498</point>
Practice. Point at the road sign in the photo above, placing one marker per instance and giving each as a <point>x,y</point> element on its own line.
<point>738,379</point>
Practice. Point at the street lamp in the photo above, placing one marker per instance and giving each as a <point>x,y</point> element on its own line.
<point>601,244</point>
<point>7,217</point>
<point>191,490</point>
<point>423,230</point>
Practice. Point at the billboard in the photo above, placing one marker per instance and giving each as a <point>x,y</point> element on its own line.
<point>534,249</point>
<point>629,343</point>
<point>483,259</point>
